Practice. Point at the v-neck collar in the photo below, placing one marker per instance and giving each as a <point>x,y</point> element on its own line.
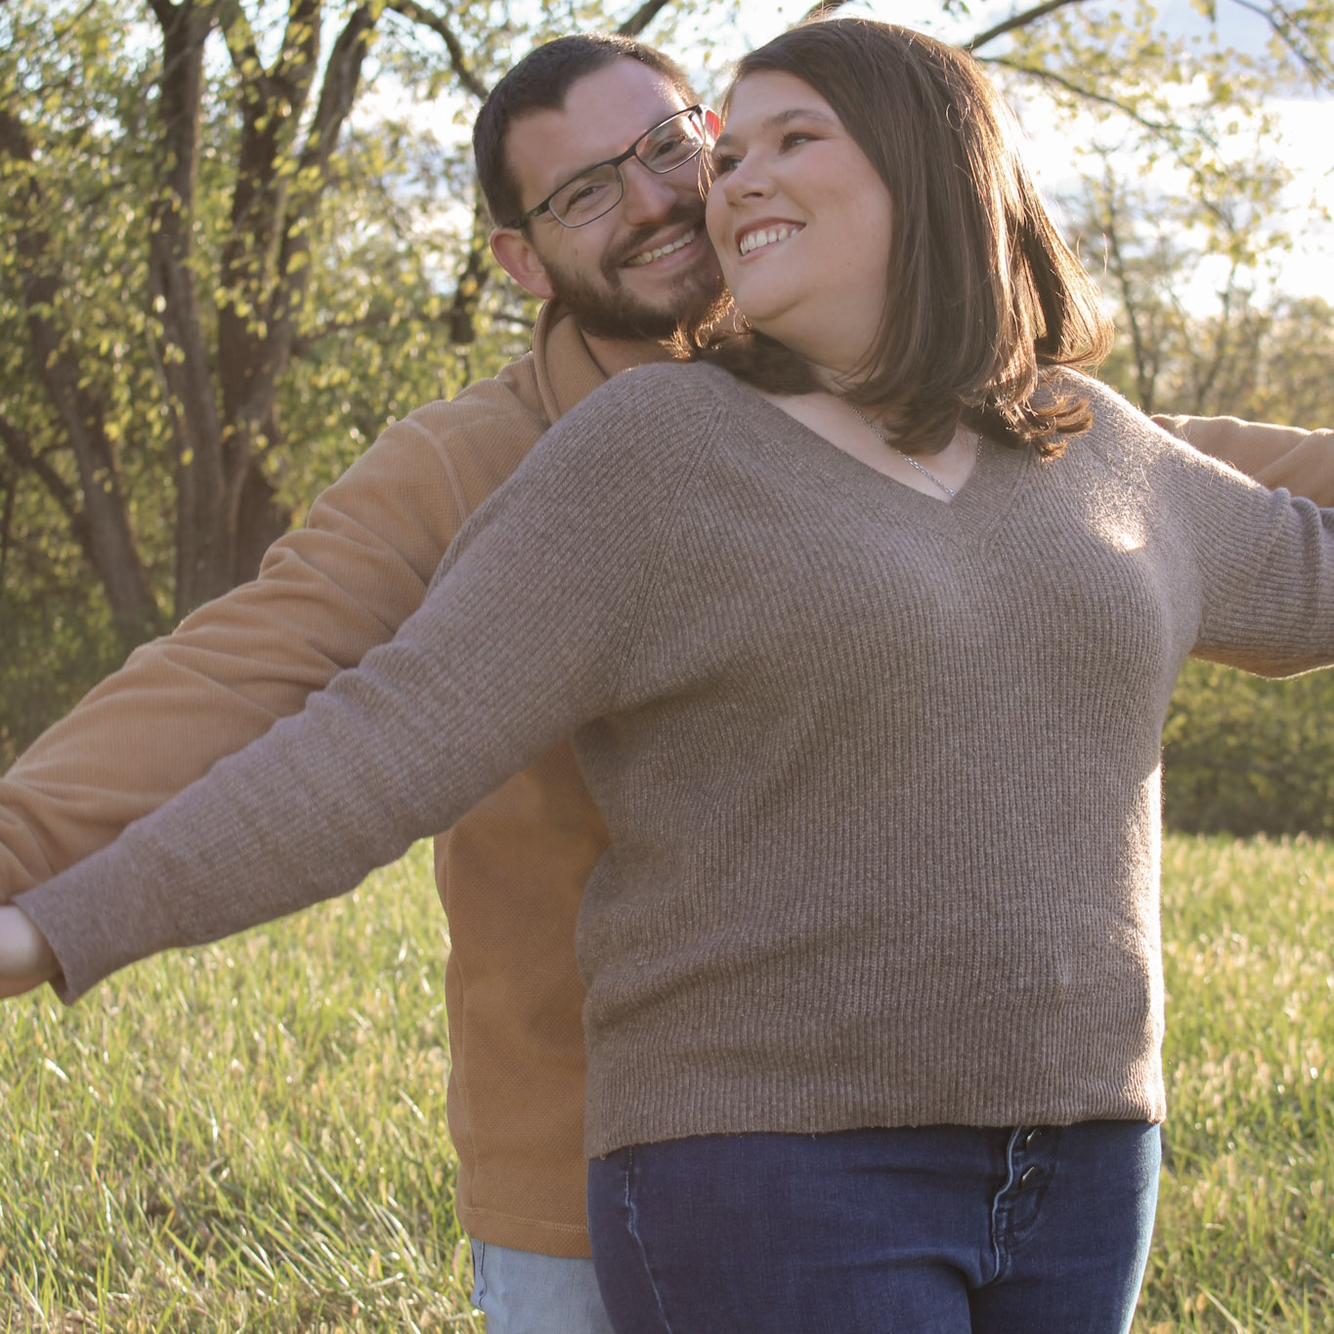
<point>978,506</point>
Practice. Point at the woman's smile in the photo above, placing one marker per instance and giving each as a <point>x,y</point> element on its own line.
<point>765,235</point>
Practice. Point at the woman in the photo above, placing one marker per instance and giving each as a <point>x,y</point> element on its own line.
<point>866,660</point>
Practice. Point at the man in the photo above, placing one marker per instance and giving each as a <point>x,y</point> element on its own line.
<point>586,153</point>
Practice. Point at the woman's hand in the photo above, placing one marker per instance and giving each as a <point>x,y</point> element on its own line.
<point>26,960</point>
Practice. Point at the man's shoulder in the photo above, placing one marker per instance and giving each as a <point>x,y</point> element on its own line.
<point>466,445</point>
<point>503,403</point>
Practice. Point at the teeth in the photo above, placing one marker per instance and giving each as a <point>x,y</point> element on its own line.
<point>648,256</point>
<point>766,236</point>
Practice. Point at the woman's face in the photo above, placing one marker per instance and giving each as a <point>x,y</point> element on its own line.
<point>801,221</point>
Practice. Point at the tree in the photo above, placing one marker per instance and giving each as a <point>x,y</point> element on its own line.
<point>221,266</point>
<point>204,287</point>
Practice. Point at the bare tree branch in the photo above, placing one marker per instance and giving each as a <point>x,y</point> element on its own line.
<point>100,519</point>
<point>25,459</point>
<point>642,17</point>
<point>470,282</point>
<point>239,37</point>
<point>294,71</point>
<point>1023,20</point>
<point>1050,76</point>
<point>174,288</point>
<point>1288,29</point>
<point>417,13</point>
<point>7,521</point>
<point>1146,367</point>
<point>341,77</point>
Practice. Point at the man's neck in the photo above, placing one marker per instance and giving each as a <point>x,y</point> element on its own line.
<point>615,355</point>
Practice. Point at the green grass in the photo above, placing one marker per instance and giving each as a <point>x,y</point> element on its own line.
<point>252,1137</point>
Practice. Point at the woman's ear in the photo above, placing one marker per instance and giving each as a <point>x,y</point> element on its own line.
<point>515,254</point>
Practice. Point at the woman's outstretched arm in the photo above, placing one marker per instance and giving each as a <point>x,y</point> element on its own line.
<point>519,641</point>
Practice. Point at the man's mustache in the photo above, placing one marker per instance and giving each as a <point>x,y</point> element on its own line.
<point>685,213</point>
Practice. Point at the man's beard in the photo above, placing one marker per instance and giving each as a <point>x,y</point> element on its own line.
<point>607,310</point>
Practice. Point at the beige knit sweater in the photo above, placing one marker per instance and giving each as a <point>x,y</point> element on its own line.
<point>880,773</point>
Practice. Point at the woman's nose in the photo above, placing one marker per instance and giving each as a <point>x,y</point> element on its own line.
<point>747,180</point>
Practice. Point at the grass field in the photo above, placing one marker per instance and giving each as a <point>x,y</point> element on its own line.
<point>252,1137</point>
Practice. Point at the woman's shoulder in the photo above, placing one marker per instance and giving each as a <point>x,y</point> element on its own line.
<point>665,408</point>
<point>1119,431</point>
<point>1108,405</point>
<point>1136,447</point>
<point>641,429</point>
<point>666,385</point>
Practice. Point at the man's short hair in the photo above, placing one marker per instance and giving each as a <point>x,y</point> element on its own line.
<point>540,82</point>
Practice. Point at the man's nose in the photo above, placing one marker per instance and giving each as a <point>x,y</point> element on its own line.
<point>649,196</point>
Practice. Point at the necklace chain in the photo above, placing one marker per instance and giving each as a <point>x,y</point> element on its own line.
<point>926,472</point>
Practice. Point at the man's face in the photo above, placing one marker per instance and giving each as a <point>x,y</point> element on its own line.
<point>611,273</point>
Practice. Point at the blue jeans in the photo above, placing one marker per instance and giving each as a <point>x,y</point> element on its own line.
<point>521,1292</point>
<point>930,1230</point>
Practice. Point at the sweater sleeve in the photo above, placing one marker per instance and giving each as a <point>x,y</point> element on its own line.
<point>1266,561</point>
<point>325,595</point>
<point>518,642</point>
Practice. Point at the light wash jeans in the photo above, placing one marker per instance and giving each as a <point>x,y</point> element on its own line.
<point>522,1292</point>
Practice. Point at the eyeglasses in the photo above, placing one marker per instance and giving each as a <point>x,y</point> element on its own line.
<point>599,188</point>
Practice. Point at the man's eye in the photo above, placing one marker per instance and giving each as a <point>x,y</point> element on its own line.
<point>585,192</point>
<point>668,148</point>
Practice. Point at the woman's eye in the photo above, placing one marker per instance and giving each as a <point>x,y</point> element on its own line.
<point>794,138</point>
<point>724,162</point>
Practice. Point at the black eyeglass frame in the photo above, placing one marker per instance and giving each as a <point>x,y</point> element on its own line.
<point>537,210</point>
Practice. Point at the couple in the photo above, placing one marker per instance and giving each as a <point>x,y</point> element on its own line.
<point>864,626</point>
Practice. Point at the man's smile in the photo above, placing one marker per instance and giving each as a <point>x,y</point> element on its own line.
<point>663,249</point>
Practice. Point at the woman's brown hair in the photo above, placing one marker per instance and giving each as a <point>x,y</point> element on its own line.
<point>983,291</point>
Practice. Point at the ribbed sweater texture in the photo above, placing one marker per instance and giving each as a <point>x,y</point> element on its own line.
<point>880,772</point>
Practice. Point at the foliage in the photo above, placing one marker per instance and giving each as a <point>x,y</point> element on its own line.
<point>251,1136</point>
<point>257,246</point>
<point>1215,349</point>
<point>1244,755</point>
<point>229,254</point>
<point>57,651</point>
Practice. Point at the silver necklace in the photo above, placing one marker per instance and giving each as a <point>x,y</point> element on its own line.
<point>926,472</point>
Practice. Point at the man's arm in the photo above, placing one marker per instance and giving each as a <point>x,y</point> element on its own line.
<point>1302,461</point>
<point>325,595</point>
